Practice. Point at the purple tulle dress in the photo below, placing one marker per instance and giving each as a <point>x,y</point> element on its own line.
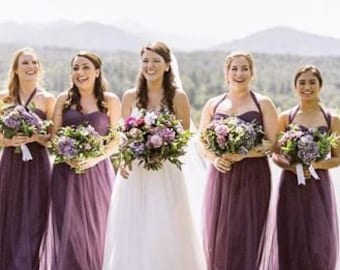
<point>80,205</point>
<point>236,208</point>
<point>307,234</point>
<point>24,196</point>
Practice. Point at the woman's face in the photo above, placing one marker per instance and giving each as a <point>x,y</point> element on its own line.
<point>308,86</point>
<point>153,66</point>
<point>84,73</point>
<point>28,67</point>
<point>239,73</point>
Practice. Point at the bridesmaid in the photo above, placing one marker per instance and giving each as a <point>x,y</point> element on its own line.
<point>238,188</point>
<point>24,186</point>
<point>306,215</point>
<point>80,201</point>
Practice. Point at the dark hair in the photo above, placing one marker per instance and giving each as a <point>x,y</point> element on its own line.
<point>314,69</point>
<point>13,83</point>
<point>168,80</point>
<point>100,85</point>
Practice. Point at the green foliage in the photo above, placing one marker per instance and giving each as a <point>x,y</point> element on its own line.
<point>201,74</point>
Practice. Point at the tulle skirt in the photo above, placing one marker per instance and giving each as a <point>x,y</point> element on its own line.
<point>306,231</point>
<point>236,210</point>
<point>150,225</point>
<point>80,205</point>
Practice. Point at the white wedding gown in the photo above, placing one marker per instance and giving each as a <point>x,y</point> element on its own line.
<point>150,225</point>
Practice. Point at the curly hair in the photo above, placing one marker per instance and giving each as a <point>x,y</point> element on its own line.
<point>100,85</point>
<point>169,85</point>
<point>13,83</point>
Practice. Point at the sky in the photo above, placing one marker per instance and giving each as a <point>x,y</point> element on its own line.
<point>212,19</point>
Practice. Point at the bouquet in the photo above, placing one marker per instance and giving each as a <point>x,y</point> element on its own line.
<point>77,143</point>
<point>19,120</point>
<point>153,138</point>
<point>232,135</point>
<point>304,146</point>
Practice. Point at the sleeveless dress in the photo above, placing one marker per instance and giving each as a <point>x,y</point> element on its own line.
<point>24,196</point>
<point>236,207</point>
<point>307,233</point>
<point>80,205</point>
<point>150,225</point>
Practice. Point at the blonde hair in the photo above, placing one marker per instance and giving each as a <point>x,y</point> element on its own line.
<point>230,57</point>
<point>13,83</point>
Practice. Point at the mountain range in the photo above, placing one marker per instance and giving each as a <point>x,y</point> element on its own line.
<point>106,37</point>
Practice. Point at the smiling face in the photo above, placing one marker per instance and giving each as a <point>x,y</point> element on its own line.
<point>28,67</point>
<point>84,72</point>
<point>153,66</point>
<point>308,85</point>
<point>238,72</point>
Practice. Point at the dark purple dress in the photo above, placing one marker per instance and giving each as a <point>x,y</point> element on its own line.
<point>24,196</point>
<point>307,221</point>
<point>236,207</point>
<point>80,205</point>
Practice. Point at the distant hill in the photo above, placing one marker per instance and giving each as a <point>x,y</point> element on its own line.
<point>284,40</point>
<point>87,35</point>
<point>130,37</point>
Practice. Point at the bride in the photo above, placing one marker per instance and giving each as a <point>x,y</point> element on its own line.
<point>150,226</point>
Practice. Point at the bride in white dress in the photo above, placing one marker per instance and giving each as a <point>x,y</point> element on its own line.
<point>150,225</point>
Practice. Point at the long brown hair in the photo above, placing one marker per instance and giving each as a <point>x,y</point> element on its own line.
<point>100,85</point>
<point>168,81</point>
<point>13,83</point>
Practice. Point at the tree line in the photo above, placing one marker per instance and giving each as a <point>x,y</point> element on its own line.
<point>201,73</point>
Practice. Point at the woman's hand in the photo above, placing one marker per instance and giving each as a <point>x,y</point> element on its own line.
<point>125,170</point>
<point>84,164</point>
<point>16,141</point>
<point>222,164</point>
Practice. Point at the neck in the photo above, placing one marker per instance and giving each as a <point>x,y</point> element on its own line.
<point>238,92</point>
<point>155,86</point>
<point>86,92</point>
<point>27,88</point>
<point>309,106</point>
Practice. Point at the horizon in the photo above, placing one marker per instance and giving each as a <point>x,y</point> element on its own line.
<point>191,19</point>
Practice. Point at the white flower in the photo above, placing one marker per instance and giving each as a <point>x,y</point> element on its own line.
<point>150,118</point>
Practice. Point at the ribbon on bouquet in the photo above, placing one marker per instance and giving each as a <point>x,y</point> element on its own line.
<point>301,176</point>
<point>26,154</point>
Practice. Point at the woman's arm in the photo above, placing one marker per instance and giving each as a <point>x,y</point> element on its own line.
<point>182,108</point>
<point>334,160</point>
<point>221,164</point>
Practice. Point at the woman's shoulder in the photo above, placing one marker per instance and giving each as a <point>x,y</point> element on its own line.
<point>111,97</point>
<point>261,97</point>
<point>47,96</point>
<point>62,97</point>
<point>180,94</point>
<point>284,115</point>
<point>129,95</point>
<point>3,94</point>
<point>130,92</point>
<point>213,101</point>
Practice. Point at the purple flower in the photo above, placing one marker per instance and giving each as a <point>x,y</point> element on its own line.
<point>67,147</point>
<point>138,148</point>
<point>130,122</point>
<point>167,134</point>
<point>12,123</point>
<point>221,130</point>
<point>155,141</point>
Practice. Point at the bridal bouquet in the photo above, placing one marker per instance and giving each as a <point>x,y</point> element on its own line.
<point>231,135</point>
<point>152,138</point>
<point>77,143</point>
<point>301,147</point>
<point>18,120</point>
